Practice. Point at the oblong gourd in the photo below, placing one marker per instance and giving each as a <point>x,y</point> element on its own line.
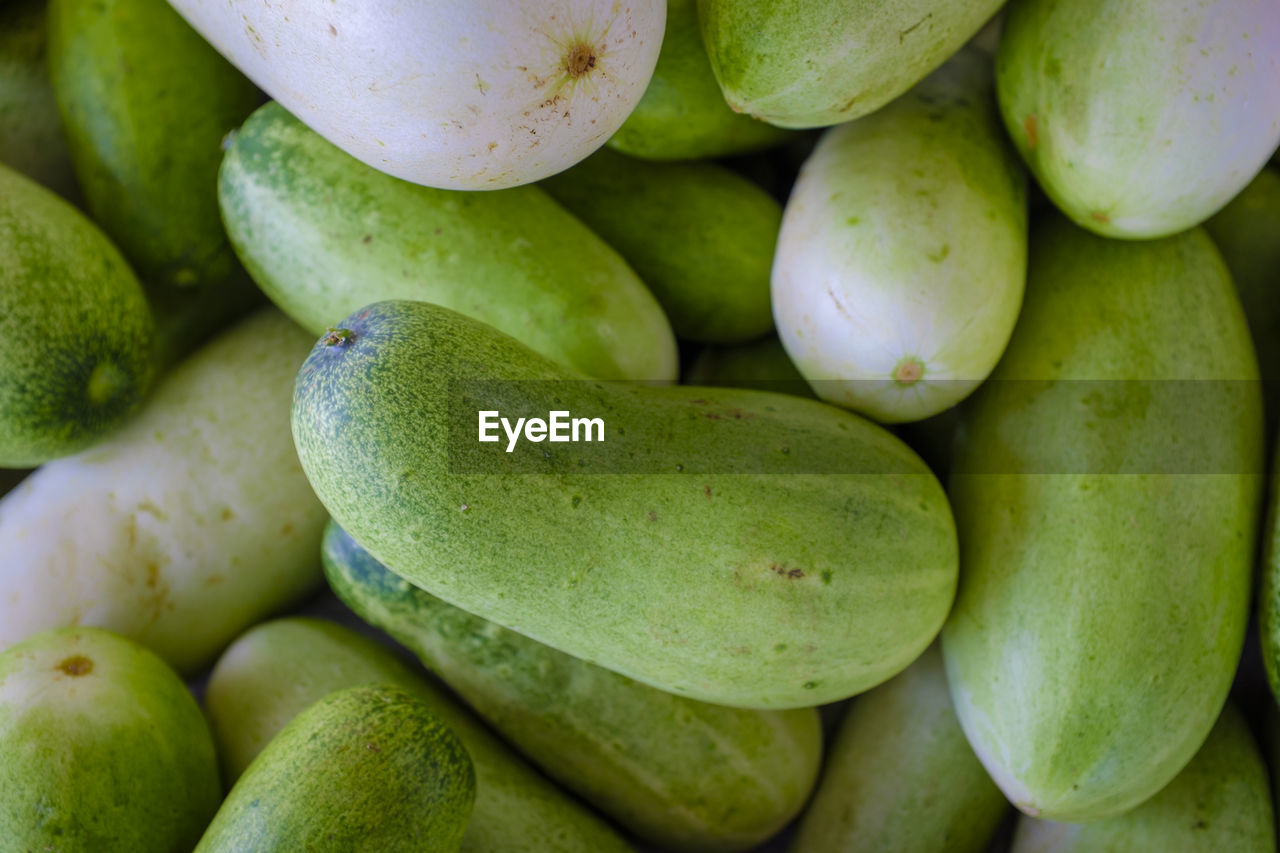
<point>738,547</point>
<point>459,94</point>
<point>1106,484</point>
<point>681,774</point>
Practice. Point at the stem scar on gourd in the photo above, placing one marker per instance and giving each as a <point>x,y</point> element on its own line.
<point>580,60</point>
<point>338,337</point>
<point>76,665</point>
<point>908,371</point>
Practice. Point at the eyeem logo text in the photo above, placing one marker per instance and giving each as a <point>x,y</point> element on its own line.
<point>559,426</point>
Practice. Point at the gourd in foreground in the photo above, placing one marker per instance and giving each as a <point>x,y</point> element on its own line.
<point>1106,484</point>
<point>745,548</point>
<point>365,768</point>
<point>458,94</point>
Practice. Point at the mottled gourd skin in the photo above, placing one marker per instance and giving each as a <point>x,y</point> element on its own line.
<point>700,236</point>
<point>1141,119</point>
<point>681,774</point>
<point>821,574</point>
<point>276,670</point>
<point>31,138</point>
<point>146,103</point>
<point>682,115</point>
<point>77,330</point>
<point>1220,801</point>
<point>457,94</point>
<point>101,748</point>
<point>1107,527</point>
<point>1247,232</point>
<point>367,768</point>
<point>903,251</point>
<point>763,365</point>
<point>186,526</point>
<point>901,778</point>
<point>814,63</point>
<point>324,235</point>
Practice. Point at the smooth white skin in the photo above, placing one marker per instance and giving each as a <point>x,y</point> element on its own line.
<point>887,253</point>
<point>190,524</point>
<point>457,94</point>
<point>1160,114</point>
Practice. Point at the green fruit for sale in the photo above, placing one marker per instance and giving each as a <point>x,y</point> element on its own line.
<point>813,63</point>
<point>763,365</point>
<point>681,774</point>
<point>903,251</point>
<point>901,778</point>
<point>276,670</point>
<point>738,547</point>
<point>1106,484</point>
<point>698,234</point>
<point>1140,119</point>
<point>101,748</point>
<point>1221,801</point>
<point>31,139</point>
<point>682,115</point>
<point>78,330</point>
<point>1247,232</point>
<point>324,235</point>
<point>188,525</point>
<point>365,768</point>
<point>146,102</point>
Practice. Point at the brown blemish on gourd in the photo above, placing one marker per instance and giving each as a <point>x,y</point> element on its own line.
<point>580,60</point>
<point>1099,216</point>
<point>784,572</point>
<point>1032,128</point>
<point>76,665</point>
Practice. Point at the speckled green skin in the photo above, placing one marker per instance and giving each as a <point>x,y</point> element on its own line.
<point>79,332</point>
<point>31,139</point>
<point>901,778</point>
<point>763,365</point>
<point>1101,615</point>
<point>681,774</point>
<point>700,236</point>
<point>146,103</point>
<point>101,748</point>
<point>813,63</point>
<point>1141,118</point>
<point>682,115</point>
<point>277,669</point>
<point>324,235</point>
<point>367,768</point>
<point>768,590</point>
<point>1247,232</point>
<point>1220,802</point>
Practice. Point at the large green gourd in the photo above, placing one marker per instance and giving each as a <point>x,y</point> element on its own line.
<point>1106,486</point>
<point>738,547</point>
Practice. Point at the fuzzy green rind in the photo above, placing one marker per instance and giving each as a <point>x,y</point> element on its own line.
<point>1139,119</point>
<point>901,778</point>
<point>700,236</point>
<point>277,669</point>
<point>903,251</point>
<point>763,365</point>
<point>31,137</point>
<point>813,63</point>
<point>101,748</point>
<point>76,327</point>
<point>1221,801</point>
<point>146,102</point>
<point>1106,589</point>
<point>1247,232</point>
<point>324,235</point>
<point>682,115</point>
<point>681,774</point>
<point>189,524</point>
<point>365,768</point>
<point>781,589</point>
